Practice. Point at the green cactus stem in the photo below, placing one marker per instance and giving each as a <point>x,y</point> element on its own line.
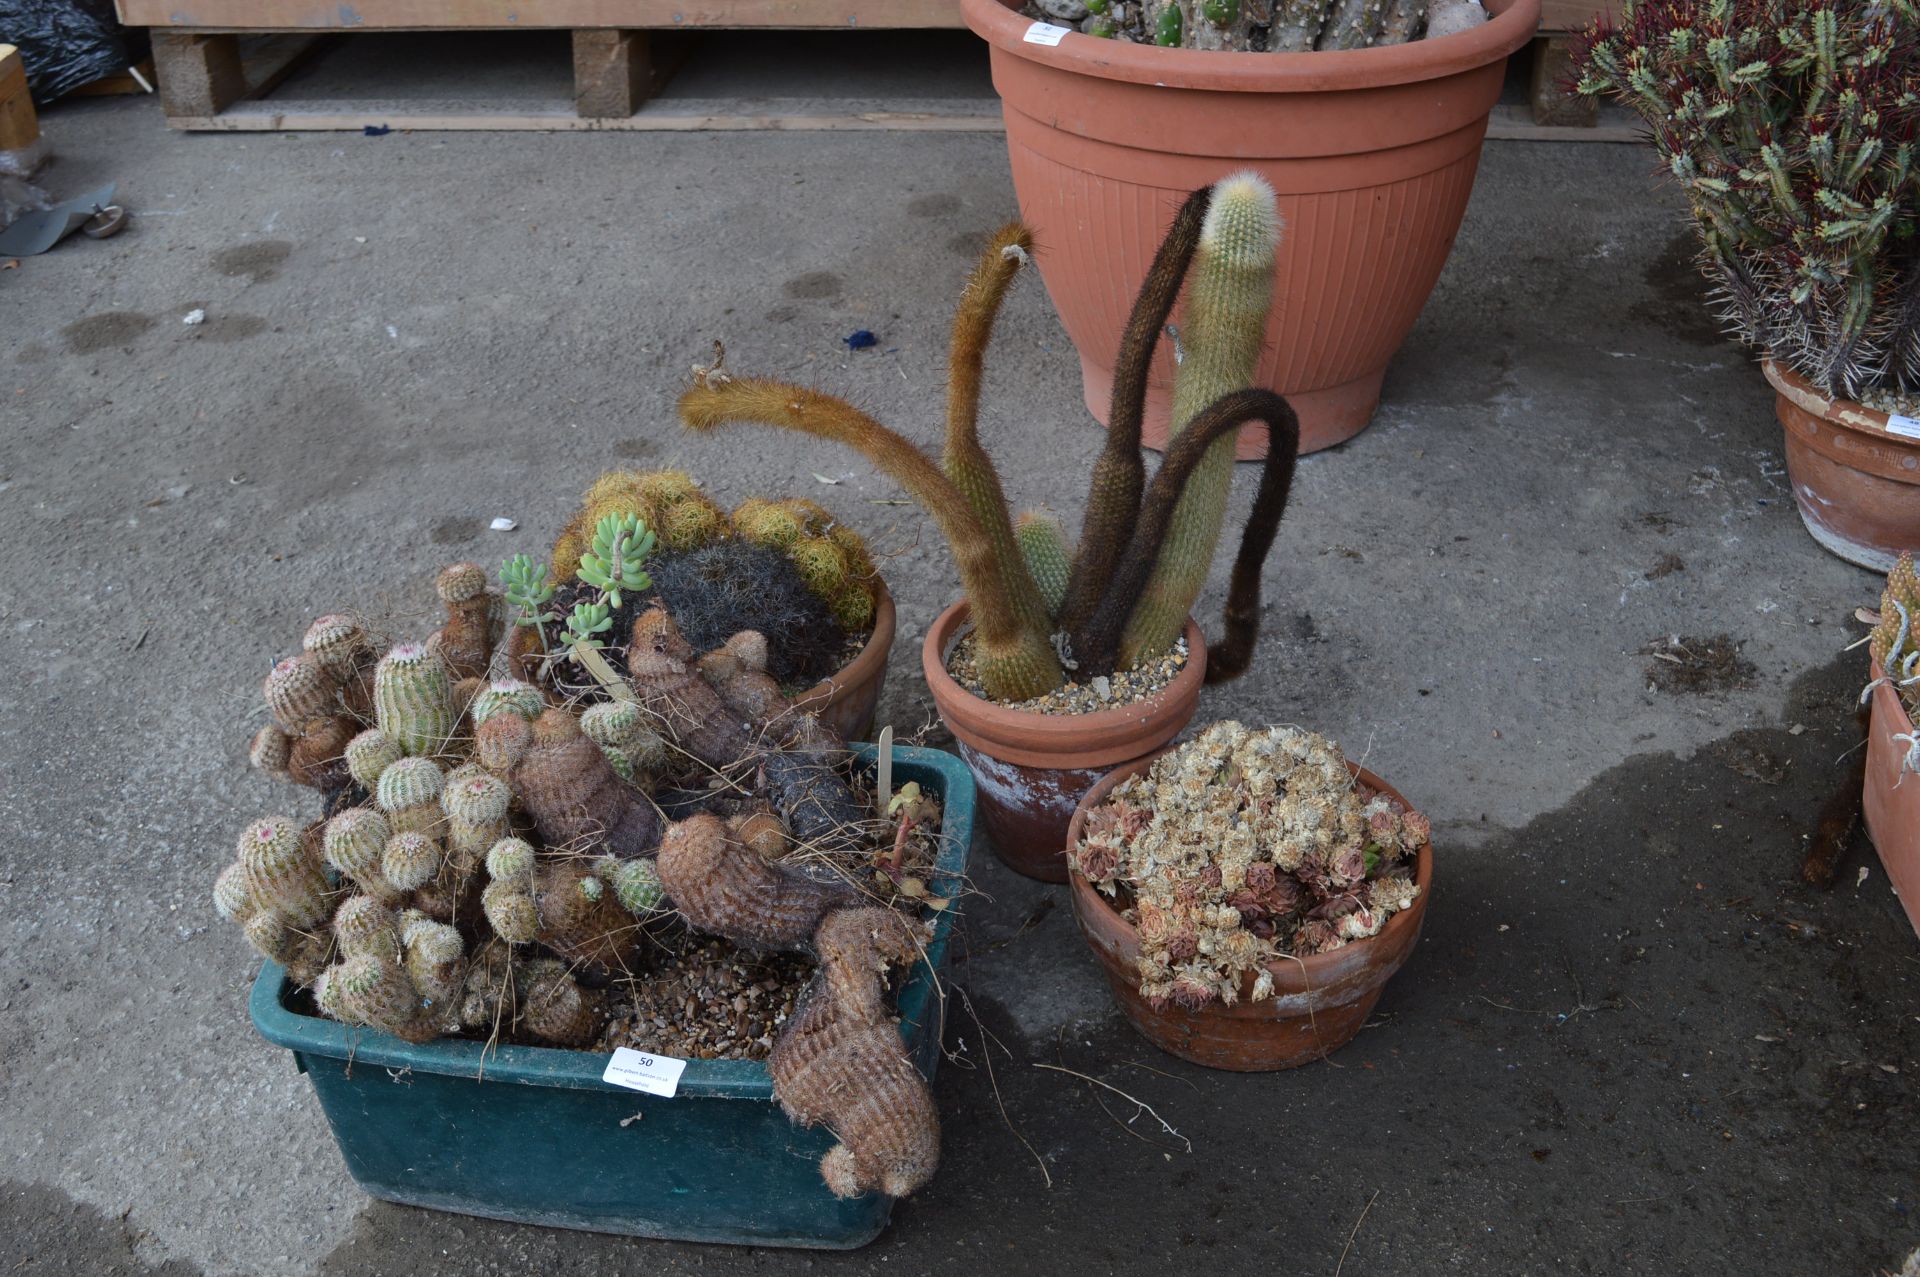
<point>1043,547</point>
<point>373,990</point>
<point>364,925</point>
<point>476,807</point>
<point>354,842</point>
<point>369,754</point>
<point>409,793</point>
<point>300,690</point>
<point>410,860</point>
<point>413,699</point>
<point>636,885</point>
<point>1229,294</point>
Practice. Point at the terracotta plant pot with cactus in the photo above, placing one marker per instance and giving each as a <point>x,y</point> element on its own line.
<point>1371,139</point>
<point>785,568</point>
<point>1790,129</point>
<point>1891,803</point>
<point>1055,630</point>
<point>1230,936</point>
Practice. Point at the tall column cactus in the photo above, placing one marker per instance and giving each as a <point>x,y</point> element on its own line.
<point>1229,295</point>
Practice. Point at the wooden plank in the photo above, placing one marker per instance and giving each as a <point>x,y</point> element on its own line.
<point>430,15</point>
<point>198,74</point>
<point>135,79</point>
<point>1552,73</point>
<point>612,73</point>
<point>19,127</point>
<point>1575,15</point>
<point>559,116</point>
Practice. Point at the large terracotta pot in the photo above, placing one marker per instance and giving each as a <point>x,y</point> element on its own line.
<point>845,700</point>
<point>1890,805</point>
<point>1856,482</point>
<point>1319,1002</point>
<point>1031,769</point>
<point>1371,151</point>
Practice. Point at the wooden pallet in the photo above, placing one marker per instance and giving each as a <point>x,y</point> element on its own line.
<point>617,62</point>
<point>1560,22</point>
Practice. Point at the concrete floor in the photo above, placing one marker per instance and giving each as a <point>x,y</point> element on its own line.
<point>1629,1043</point>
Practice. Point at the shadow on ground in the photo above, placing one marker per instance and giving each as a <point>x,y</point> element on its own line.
<point>1628,1035</point>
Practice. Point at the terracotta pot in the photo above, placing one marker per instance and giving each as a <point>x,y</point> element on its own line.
<point>1319,1002</point>
<point>1031,769</point>
<point>1372,153</point>
<point>845,700</point>
<point>1856,482</point>
<point>1890,805</point>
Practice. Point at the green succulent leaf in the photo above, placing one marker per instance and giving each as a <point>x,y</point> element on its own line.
<point>527,589</point>
<point>621,543</point>
<point>587,621</point>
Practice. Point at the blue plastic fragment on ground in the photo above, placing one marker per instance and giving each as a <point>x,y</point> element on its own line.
<point>860,339</point>
<point>377,130</point>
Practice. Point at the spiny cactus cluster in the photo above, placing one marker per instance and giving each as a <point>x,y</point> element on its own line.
<point>493,856</point>
<point>1790,127</point>
<point>1895,643</point>
<point>1122,597</point>
<point>1263,26</point>
<point>1240,847</point>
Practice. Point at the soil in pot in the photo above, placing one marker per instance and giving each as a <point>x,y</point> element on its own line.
<point>1032,768</point>
<point>1188,974</point>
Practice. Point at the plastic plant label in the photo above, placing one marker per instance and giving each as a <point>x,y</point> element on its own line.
<point>639,1071</point>
<point>1907,427</point>
<point>1046,33</point>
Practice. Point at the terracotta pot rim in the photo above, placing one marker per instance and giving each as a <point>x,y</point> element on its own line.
<point>1290,974</point>
<point>1840,411</point>
<point>871,657</point>
<point>1513,24</point>
<point>1062,733</point>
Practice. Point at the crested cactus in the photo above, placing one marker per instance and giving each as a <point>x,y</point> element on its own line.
<point>1125,532</point>
<point>840,1063</point>
<point>563,779</point>
<point>722,887</point>
<point>1789,128</point>
<point>413,699</point>
<point>686,709</point>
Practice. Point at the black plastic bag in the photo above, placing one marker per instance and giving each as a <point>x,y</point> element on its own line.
<point>68,43</point>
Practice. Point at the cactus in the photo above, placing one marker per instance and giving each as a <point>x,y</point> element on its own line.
<point>554,1007</point>
<point>1273,26</point>
<point>465,641</point>
<point>625,734</point>
<point>504,696</point>
<point>722,887</point>
<point>1895,641</point>
<point>1044,549</point>
<point>283,875</point>
<point>1229,292</point>
<point>476,807</point>
<point>566,784</point>
<point>374,990</point>
<point>410,860</point>
<point>830,557</point>
<point>737,672</point>
<point>363,925</point>
<point>636,885</point>
<point>840,1062</point>
<point>413,699</point>
<point>688,712</point>
<point>368,755</point>
<point>409,793</point>
<point>667,501</point>
<point>1788,128</point>
<point>435,960</point>
<point>1015,649</point>
<point>354,843</point>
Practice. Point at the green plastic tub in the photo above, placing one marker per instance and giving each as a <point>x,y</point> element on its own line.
<point>533,1135</point>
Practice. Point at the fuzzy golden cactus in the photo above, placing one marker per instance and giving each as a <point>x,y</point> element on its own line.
<point>722,887</point>
<point>840,1062</point>
<point>831,558</point>
<point>1895,642</point>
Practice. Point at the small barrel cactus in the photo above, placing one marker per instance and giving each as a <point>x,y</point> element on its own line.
<point>413,699</point>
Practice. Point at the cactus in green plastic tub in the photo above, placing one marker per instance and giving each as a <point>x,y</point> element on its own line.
<point>1018,636</point>
<point>507,696</point>
<point>354,843</point>
<point>476,804</point>
<point>413,699</point>
<point>408,791</point>
<point>276,890</point>
<point>465,642</point>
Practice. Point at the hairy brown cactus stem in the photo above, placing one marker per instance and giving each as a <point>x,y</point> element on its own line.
<point>1017,660</point>
<point>722,887</point>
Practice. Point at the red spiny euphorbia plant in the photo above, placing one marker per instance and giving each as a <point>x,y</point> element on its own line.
<point>1122,597</point>
<point>1791,126</point>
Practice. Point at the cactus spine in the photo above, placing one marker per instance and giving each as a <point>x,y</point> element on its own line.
<point>1229,294</point>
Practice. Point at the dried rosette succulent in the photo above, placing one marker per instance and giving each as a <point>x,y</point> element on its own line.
<point>1241,847</point>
